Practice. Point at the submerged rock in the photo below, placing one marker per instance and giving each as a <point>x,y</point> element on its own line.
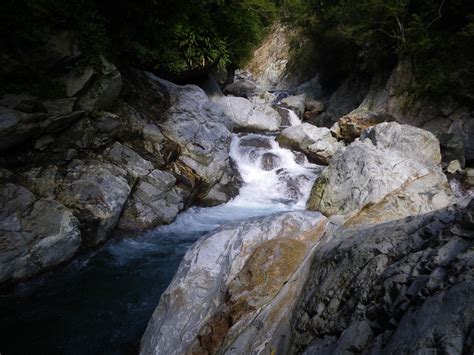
<point>236,288</point>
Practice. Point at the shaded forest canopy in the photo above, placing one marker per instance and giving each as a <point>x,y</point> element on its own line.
<point>437,36</point>
<point>168,36</point>
<point>174,36</point>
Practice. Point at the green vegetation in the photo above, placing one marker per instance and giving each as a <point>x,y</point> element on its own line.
<point>436,35</point>
<point>168,36</point>
<point>174,37</point>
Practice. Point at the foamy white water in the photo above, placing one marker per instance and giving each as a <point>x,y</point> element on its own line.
<point>274,179</point>
<point>293,118</point>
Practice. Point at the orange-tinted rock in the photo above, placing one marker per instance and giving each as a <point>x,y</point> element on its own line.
<point>352,125</point>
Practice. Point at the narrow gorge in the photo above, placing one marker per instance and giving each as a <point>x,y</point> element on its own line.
<point>258,207</point>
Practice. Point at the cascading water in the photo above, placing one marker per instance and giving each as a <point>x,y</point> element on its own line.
<point>101,302</point>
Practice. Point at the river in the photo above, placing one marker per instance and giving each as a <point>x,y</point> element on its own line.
<point>101,302</point>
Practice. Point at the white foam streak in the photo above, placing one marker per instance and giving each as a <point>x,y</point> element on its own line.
<point>293,118</point>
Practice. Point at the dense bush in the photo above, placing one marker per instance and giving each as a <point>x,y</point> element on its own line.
<point>436,35</point>
<point>168,36</point>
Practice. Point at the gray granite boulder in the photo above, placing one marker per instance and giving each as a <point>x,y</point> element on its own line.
<point>249,117</point>
<point>35,234</point>
<point>236,288</point>
<point>244,88</point>
<point>317,143</point>
<point>370,183</point>
<point>408,140</point>
<point>97,193</point>
<point>154,202</point>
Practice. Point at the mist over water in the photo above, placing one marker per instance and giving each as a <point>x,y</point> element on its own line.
<point>101,302</point>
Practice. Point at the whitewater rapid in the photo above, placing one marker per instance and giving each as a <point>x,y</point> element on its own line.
<point>104,299</point>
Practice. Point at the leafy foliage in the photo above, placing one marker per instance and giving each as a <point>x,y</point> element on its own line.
<point>168,36</point>
<point>436,35</point>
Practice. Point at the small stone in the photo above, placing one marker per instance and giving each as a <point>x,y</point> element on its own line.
<point>470,176</point>
<point>43,142</point>
<point>453,167</point>
<point>71,154</point>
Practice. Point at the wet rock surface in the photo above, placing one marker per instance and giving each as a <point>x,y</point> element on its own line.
<point>236,287</point>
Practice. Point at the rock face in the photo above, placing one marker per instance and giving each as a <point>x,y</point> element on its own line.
<point>35,234</point>
<point>348,96</point>
<point>451,121</point>
<point>268,65</point>
<point>250,117</point>
<point>236,288</point>
<point>103,91</point>
<point>373,183</point>
<point>395,288</point>
<point>317,143</point>
<point>164,147</point>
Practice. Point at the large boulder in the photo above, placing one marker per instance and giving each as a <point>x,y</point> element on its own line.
<point>244,88</point>
<point>250,117</point>
<point>103,91</point>
<point>316,142</point>
<point>35,234</point>
<point>401,287</point>
<point>97,193</point>
<point>154,202</point>
<point>351,126</point>
<point>199,128</point>
<point>236,288</point>
<point>370,183</point>
<point>405,139</point>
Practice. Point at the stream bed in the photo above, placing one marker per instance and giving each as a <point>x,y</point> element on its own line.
<point>101,302</point>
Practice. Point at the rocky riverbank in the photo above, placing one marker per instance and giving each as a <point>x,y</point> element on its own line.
<point>371,273</point>
<point>385,240</point>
